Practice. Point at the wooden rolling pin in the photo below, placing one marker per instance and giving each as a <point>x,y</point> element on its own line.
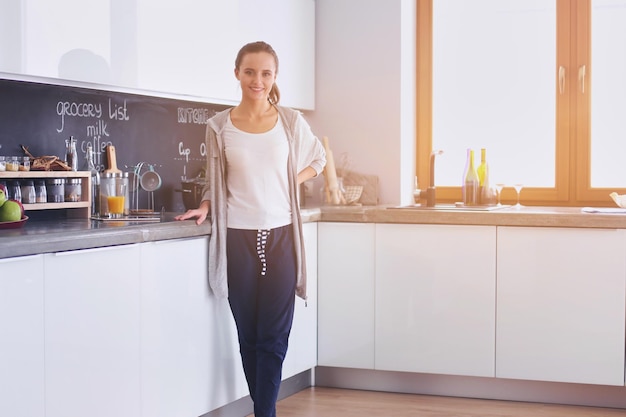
<point>112,160</point>
<point>333,194</point>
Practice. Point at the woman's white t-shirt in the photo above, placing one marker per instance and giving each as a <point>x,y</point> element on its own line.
<point>256,178</point>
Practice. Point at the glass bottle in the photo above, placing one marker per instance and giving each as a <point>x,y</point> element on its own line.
<point>470,181</point>
<point>483,177</point>
<point>71,157</point>
<point>126,181</point>
<point>14,191</point>
<point>27,189</point>
<point>41,196</point>
<point>95,180</point>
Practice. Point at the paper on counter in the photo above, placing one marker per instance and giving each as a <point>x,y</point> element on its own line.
<point>604,210</point>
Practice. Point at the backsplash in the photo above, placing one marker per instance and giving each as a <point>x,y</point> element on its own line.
<point>163,132</point>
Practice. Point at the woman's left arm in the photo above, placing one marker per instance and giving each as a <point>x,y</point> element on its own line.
<point>310,152</point>
<point>306,174</point>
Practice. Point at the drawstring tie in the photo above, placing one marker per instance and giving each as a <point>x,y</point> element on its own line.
<point>261,242</point>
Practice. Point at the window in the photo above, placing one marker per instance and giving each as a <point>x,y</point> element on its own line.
<point>516,77</point>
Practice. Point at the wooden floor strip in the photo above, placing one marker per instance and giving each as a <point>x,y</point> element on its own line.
<point>331,402</point>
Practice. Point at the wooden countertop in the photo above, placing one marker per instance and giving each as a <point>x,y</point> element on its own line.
<point>528,216</point>
<point>72,234</point>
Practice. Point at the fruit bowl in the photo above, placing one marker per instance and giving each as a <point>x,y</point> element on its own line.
<point>14,225</point>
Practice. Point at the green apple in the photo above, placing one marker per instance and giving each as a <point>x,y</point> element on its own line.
<point>3,194</point>
<point>10,211</point>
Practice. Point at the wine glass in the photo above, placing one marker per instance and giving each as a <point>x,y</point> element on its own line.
<point>518,190</point>
<point>499,188</point>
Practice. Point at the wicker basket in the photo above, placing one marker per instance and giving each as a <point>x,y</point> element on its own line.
<point>352,193</point>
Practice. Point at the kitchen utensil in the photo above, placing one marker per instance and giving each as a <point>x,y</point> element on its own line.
<point>333,195</point>
<point>192,192</point>
<point>112,160</point>
<point>150,180</point>
<point>133,182</point>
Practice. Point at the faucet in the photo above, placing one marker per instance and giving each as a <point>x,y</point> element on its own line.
<point>430,191</point>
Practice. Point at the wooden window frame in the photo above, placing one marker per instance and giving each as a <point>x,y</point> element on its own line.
<point>572,112</point>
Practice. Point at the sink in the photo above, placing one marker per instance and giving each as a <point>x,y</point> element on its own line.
<point>450,207</point>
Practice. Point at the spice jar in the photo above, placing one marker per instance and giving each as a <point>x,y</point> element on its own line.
<point>25,165</point>
<point>14,191</point>
<point>28,192</point>
<point>41,196</point>
<point>13,164</point>
<point>55,188</point>
<point>73,189</point>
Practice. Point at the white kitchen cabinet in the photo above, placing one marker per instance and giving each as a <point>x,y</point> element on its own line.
<point>561,306</point>
<point>22,336</point>
<point>302,351</point>
<point>92,323</point>
<point>190,46</point>
<point>183,47</point>
<point>435,299</point>
<point>190,361</point>
<point>289,26</point>
<point>175,342</point>
<point>346,275</point>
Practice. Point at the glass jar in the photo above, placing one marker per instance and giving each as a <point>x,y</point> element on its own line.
<point>73,189</point>
<point>27,189</point>
<point>14,191</point>
<point>55,188</point>
<point>25,164</point>
<point>13,164</point>
<point>123,179</point>
<point>41,196</point>
<point>3,163</point>
<point>107,181</point>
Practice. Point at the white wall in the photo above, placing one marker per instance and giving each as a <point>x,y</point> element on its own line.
<point>365,101</point>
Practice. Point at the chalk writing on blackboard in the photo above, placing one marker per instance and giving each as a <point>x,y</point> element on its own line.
<point>190,115</point>
<point>167,133</point>
<point>91,110</point>
<point>72,109</point>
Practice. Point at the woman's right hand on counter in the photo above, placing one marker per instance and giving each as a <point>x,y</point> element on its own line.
<point>200,214</point>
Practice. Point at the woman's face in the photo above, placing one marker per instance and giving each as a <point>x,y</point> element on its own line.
<point>256,74</point>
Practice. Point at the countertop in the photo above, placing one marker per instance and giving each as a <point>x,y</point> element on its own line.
<point>528,216</point>
<point>45,236</point>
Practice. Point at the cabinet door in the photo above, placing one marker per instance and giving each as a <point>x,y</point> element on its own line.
<point>435,299</point>
<point>189,47</point>
<point>92,332</point>
<point>64,39</point>
<point>346,272</point>
<point>190,357</point>
<point>21,337</point>
<point>561,304</point>
<point>183,47</point>
<point>291,32</point>
<point>302,352</point>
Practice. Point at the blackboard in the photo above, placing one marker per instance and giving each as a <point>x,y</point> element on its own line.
<point>163,132</point>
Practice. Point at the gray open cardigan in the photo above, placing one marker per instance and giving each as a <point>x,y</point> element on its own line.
<point>304,150</point>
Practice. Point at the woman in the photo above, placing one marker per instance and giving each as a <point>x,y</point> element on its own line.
<point>258,154</point>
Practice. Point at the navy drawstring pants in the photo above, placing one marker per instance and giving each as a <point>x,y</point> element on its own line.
<point>261,294</point>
